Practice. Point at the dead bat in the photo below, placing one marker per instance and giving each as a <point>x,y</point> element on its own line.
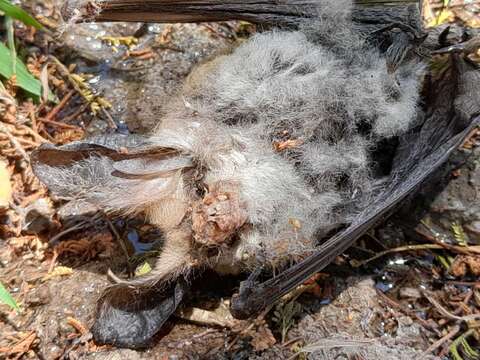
<point>265,153</point>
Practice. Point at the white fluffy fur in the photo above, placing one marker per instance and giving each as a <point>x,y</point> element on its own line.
<point>322,85</point>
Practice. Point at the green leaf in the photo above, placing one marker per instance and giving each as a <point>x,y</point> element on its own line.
<point>18,13</point>
<point>143,269</point>
<point>25,80</point>
<point>7,299</point>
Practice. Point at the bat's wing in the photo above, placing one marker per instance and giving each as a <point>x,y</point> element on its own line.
<point>117,172</point>
<point>120,173</point>
<point>133,315</point>
<point>452,110</point>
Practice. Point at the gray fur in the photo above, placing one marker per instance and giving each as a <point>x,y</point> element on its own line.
<point>322,85</point>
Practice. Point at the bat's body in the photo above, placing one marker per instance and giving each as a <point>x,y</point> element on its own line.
<point>264,152</point>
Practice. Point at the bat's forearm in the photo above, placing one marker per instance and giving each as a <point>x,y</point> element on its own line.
<point>256,11</point>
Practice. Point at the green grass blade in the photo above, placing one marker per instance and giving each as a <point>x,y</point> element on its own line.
<point>25,79</point>
<point>18,13</point>
<point>7,299</point>
<point>11,42</point>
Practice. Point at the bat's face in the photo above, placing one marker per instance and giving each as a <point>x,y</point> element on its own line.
<point>218,216</point>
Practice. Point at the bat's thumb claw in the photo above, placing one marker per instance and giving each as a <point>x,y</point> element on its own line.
<point>244,305</point>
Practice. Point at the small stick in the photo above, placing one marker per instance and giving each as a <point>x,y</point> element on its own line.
<point>396,305</point>
<point>468,250</point>
<point>60,124</point>
<point>53,261</point>
<point>440,342</point>
<point>395,250</point>
<point>78,112</point>
<point>34,134</point>
<point>121,242</point>
<point>110,120</point>
<point>447,313</point>
<point>60,106</point>
<point>75,227</point>
<point>475,284</point>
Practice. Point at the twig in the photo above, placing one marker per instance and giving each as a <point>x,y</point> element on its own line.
<point>292,341</point>
<point>447,313</point>
<point>475,284</point>
<point>110,120</point>
<point>77,113</point>
<point>440,342</point>
<point>60,124</point>
<point>433,237</point>
<point>21,347</point>
<point>408,312</point>
<point>75,227</point>
<point>121,243</point>
<point>52,114</point>
<point>355,263</point>
<point>34,134</point>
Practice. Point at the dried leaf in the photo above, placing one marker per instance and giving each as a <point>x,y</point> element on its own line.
<point>263,339</point>
<point>219,316</point>
<point>464,264</point>
<point>44,82</point>
<point>5,186</point>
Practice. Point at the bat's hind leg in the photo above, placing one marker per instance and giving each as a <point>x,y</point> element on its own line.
<point>130,313</point>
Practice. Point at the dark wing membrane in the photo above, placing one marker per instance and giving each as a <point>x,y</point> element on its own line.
<point>130,316</point>
<point>114,146</point>
<point>102,170</point>
<point>451,113</point>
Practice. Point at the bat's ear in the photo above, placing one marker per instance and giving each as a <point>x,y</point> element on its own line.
<point>129,316</point>
<point>114,172</point>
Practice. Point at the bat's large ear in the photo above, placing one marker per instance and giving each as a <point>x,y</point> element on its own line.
<point>129,316</point>
<point>115,172</point>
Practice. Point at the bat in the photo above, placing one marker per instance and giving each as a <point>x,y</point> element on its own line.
<point>268,151</point>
